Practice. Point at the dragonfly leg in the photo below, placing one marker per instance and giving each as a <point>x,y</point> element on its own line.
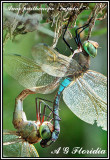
<point>38,110</point>
<point>39,102</point>
<point>57,49</point>
<point>72,50</point>
<point>44,110</point>
<point>56,125</point>
<point>19,115</point>
<point>42,99</point>
<point>77,37</point>
<point>45,106</point>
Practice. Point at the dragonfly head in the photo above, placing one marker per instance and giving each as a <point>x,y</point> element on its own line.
<point>90,47</point>
<point>46,130</point>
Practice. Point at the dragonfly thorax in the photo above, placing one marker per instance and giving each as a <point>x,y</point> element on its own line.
<point>30,132</point>
<point>83,60</point>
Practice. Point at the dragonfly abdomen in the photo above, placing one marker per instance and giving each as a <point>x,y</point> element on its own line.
<point>63,85</point>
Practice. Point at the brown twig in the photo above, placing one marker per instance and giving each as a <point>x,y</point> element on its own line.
<point>58,17</point>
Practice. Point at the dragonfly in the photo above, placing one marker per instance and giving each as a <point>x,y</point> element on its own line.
<point>84,91</point>
<point>20,143</point>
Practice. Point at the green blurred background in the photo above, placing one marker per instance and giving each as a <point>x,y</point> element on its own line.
<point>74,132</point>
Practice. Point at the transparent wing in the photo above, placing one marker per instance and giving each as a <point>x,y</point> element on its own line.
<point>26,71</point>
<point>28,150</point>
<point>11,144</point>
<point>87,98</point>
<point>14,146</point>
<point>54,63</point>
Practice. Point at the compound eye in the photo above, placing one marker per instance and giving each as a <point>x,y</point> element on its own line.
<point>45,131</point>
<point>91,48</point>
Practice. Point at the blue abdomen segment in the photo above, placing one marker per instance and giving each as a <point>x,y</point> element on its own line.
<point>64,84</point>
<point>56,131</point>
